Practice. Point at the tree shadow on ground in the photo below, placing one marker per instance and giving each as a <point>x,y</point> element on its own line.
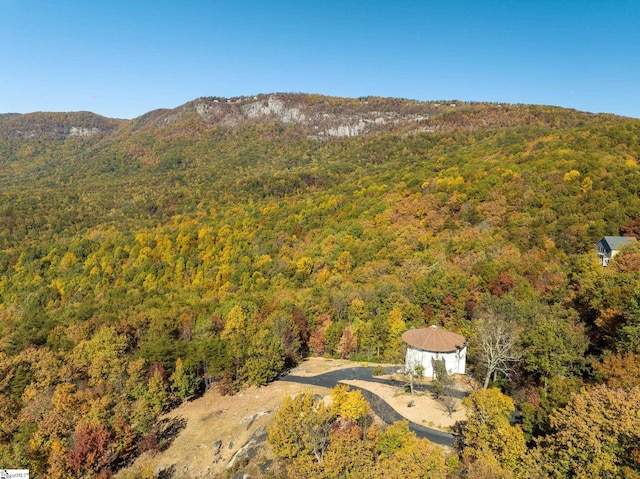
<point>168,430</point>
<point>167,473</point>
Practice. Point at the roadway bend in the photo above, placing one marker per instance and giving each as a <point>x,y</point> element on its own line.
<point>379,405</point>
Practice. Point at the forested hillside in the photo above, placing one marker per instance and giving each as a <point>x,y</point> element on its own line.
<point>228,238</point>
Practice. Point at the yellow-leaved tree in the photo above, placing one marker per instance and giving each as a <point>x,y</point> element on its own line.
<point>350,405</point>
<point>402,454</point>
<point>489,431</point>
<point>236,333</point>
<point>301,427</point>
<point>397,326</point>
<point>596,435</point>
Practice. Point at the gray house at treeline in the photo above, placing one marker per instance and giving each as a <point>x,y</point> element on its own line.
<point>609,246</point>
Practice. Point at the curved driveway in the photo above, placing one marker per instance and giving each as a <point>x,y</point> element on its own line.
<point>379,405</point>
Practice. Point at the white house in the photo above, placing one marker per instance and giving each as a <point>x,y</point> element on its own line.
<point>432,343</point>
<point>609,246</point>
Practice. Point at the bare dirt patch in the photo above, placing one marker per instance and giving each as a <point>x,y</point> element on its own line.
<point>217,427</point>
<point>315,366</point>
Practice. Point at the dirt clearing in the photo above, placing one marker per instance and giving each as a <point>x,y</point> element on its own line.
<point>214,427</point>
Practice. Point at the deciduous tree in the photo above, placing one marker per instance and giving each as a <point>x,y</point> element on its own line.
<point>489,428</point>
<point>553,345</point>
<point>183,383</point>
<point>350,405</point>
<point>91,452</point>
<point>402,454</point>
<point>236,333</point>
<point>497,341</point>
<point>265,358</point>
<point>301,427</point>
<point>597,435</point>
<point>619,370</point>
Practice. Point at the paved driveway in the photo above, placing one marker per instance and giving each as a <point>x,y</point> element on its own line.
<point>379,405</point>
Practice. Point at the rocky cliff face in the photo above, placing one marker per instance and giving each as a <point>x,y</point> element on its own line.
<point>318,116</point>
<point>331,117</point>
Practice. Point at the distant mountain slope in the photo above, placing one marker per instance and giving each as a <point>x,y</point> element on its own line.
<point>315,115</point>
<point>327,117</point>
<point>288,144</point>
<point>56,125</point>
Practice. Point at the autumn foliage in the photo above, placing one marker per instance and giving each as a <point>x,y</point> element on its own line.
<point>179,251</point>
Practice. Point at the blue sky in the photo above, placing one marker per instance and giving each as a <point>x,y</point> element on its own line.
<point>124,58</point>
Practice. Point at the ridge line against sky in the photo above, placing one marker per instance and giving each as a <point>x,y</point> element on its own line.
<point>122,59</point>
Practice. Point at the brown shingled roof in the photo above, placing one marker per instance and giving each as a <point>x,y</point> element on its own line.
<point>434,339</point>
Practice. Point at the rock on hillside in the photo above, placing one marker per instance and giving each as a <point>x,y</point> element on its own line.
<point>59,126</point>
<point>320,116</point>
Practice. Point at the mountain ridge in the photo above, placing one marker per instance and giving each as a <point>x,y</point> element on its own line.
<point>316,116</point>
<point>58,125</point>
